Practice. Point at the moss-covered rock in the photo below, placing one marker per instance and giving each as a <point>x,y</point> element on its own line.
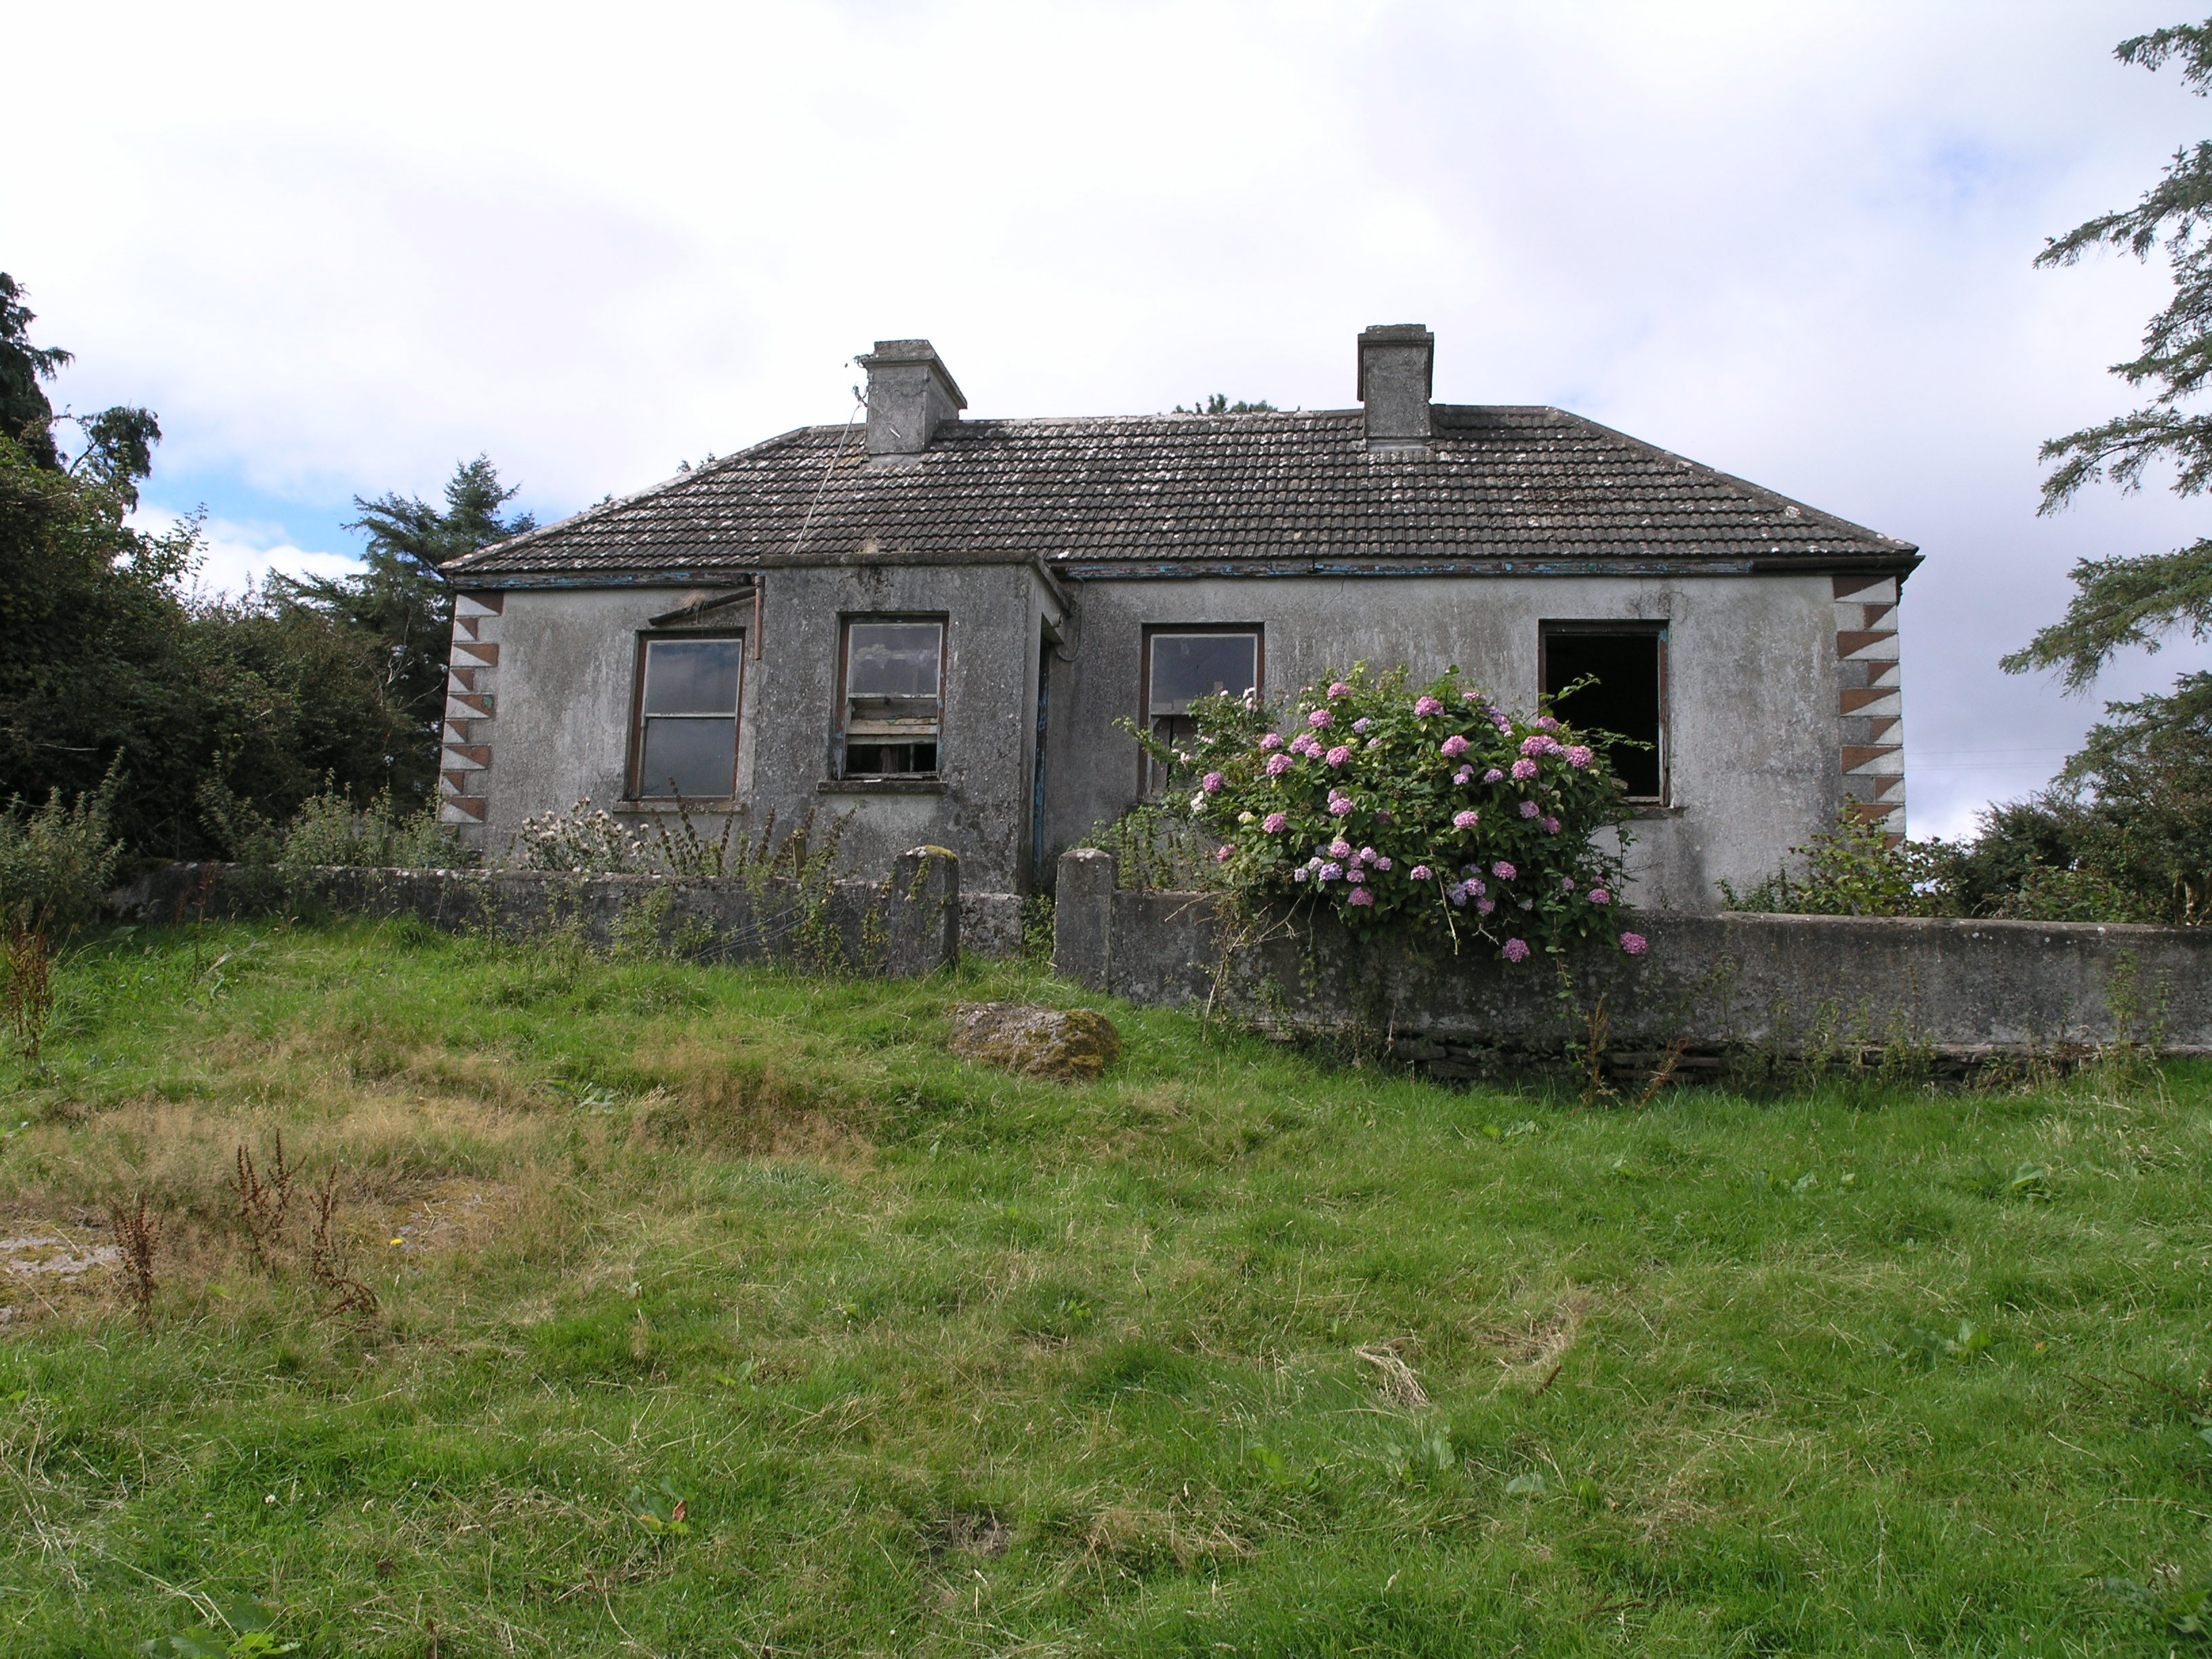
<point>1072,1044</point>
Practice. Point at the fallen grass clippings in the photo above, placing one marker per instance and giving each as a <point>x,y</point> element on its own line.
<point>722,1311</point>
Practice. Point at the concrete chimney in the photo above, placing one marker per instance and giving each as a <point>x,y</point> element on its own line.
<point>1397,370</point>
<point>910,395</point>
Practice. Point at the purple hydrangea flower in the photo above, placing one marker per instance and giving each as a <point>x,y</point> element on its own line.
<point>1485,906</point>
<point>1474,885</point>
<point>1493,776</point>
<point>1359,896</point>
<point>1320,719</point>
<point>1382,815</point>
<point>1374,743</point>
<point>1566,883</point>
<point>1381,863</point>
<point>1529,809</point>
<point>1516,950</point>
<point>1274,823</point>
<point>1340,849</point>
<point>1420,872</point>
<point>1457,895</point>
<point>1464,776</point>
<point>1424,707</point>
<point>1298,874</point>
<point>1635,944</point>
<point>1365,855</point>
<point>1454,746</point>
<point>1362,724</point>
<point>1338,755</point>
<point>1279,764</point>
<point>1355,875</point>
<point>1580,756</point>
<point>1548,723</point>
<point>1272,742</point>
<point>1504,870</point>
<point>1211,783</point>
<point>1466,820</point>
<point>1598,896</point>
<point>1328,872</point>
<point>1523,771</point>
<point>1339,806</point>
<point>1339,689</point>
<point>1551,826</point>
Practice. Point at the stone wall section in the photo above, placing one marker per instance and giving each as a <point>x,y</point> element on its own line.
<point>1870,714</point>
<point>472,703</point>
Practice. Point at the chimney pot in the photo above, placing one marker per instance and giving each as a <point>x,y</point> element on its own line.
<point>1397,371</point>
<point>910,394</point>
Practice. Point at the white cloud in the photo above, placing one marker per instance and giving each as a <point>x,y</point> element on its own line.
<point>340,253</point>
<point>234,556</point>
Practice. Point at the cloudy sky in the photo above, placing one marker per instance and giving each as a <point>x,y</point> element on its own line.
<point>339,250</point>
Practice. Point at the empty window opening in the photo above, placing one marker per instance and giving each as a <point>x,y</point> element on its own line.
<point>1626,669</point>
<point>1182,666</point>
<point>893,703</point>
<point>687,737</point>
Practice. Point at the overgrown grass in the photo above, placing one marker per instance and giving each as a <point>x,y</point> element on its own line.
<point>939,1362</point>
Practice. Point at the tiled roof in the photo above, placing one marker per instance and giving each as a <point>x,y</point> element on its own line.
<point>1498,488</point>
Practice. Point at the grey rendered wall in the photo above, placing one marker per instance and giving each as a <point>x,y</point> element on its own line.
<point>567,666</point>
<point>1752,691</point>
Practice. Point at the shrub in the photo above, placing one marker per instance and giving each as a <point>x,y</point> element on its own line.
<point>55,863</point>
<point>1852,870</point>
<point>329,830</point>
<point>1434,811</point>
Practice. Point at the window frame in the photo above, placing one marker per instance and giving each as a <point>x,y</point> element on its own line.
<point>1549,627</point>
<point>1150,781</point>
<point>647,638</point>
<point>842,710</point>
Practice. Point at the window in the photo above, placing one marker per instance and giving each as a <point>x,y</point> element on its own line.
<point>892,699</point>
<point>1626,665</point>
<point>687,721</point>
<point>1183,665</point>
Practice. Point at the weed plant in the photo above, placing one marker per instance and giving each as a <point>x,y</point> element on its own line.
<point>723,1312</point>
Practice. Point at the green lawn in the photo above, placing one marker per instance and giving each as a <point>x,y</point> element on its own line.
<point>943,1362</point>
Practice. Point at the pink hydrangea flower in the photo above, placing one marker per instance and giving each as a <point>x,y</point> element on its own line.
<point>1340,849</point>
<point>1493,776</point>
<point>1222,854</point>
<point>1466,820</point>
<point>1470,697</point>
<point>1504,870</point>
<point>1523,771</point>
<point>1211,783</point>
<point>1548,723</point>
<point>1381,863</point>
<point>1374,743</point>
<point>1362,724</point>
<point>1635,944</point>
<point>1274,823</point>
<point>1298,874</point>
<point>1580,756</point>
<point>1551,826</point>
<point>1339,689</point>
<point>1365,855</point>
<point>1329,873</point>
<point>1538,745</point>
<point>1516,950</point>
<point>1454,746</point>
<point>1321,718</point>
<point>1424,707</point>
<point>1420,872</point>
<point>1279,764</point>
<point>1566,883</point>
<point>1464,776</point>
<point>1339,807</point>
<point>1485,906</point>
<point>1355,875</point>
<point>1529,809</point>
<point>1338,755</point>
<point>1475,884</point>
<point>1598,896</point>
<point>1359,896</point>
<point>1272,742</point>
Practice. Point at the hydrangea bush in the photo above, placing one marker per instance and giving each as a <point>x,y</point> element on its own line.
<point>1432,811</point>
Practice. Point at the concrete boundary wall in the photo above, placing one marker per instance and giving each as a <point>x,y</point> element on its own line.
<point>905,926</point>
<point>1797,986</point>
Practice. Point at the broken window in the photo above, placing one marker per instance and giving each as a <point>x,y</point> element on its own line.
<point>687,735</point>
<point>1181,666</point>
<point>1626,666</point>
<point>892,700</point>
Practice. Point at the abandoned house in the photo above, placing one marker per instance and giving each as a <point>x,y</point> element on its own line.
<point>930,625</point>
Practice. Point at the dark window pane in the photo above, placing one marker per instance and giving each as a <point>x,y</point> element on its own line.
<point>1186,666</point>
<point>893,660</point>
<point>692,677</point>
<point>689,757</point>
<point>890,760</point>
<point>1625,700</point>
